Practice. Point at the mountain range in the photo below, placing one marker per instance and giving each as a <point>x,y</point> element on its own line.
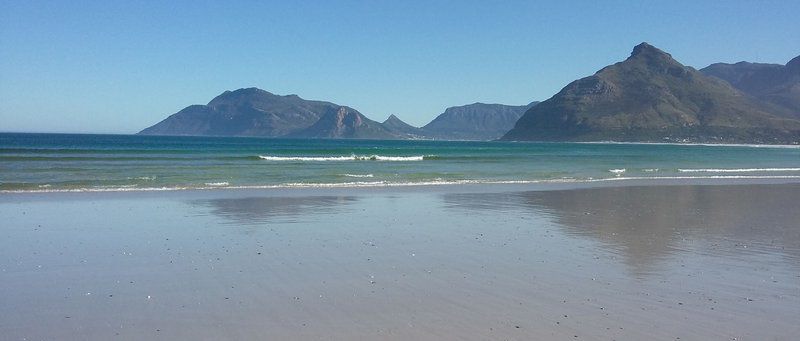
<point>648,97</point>
<point>774,84</point>
<point>651,97</point>
<point>256,112</point>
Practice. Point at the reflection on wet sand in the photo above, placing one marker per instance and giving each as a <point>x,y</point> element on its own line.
<point>410,264</point>
<point>260,210</point>
<point>646,225</point>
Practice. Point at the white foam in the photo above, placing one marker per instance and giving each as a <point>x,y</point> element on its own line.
<point>737,170</point>
<point>305,158</point>
<point>617,171</point>
<point>396,158</point>
<point>217,184</point>
<point>148,178</point>
<point>650,170</point>
<point>342,158</point>
<point>357,175</point>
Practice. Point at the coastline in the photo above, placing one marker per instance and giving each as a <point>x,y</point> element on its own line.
<point>444,185</point>
<point>433,187</point>
<point>749,145</point>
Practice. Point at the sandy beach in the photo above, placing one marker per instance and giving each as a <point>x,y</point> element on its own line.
<point>668,261</point>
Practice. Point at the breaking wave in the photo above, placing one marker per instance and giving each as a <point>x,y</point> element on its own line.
<point>343,158</point>
<point>357,175</point>
<point>618,171</point>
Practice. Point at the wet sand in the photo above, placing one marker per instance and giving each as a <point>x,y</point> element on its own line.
<point>688,262</point>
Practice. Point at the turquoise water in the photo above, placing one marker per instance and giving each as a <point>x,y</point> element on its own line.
<point>60,162</point>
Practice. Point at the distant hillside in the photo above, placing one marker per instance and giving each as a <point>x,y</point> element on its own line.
<point>244,112</point>
<point>476,121</point>
<point>345,122</point>
<point>652,97</point>
<point>772,83</point>
<point>255,112</point>
<point>400,128</point>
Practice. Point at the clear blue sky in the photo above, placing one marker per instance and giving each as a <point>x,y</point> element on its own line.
<point>120,66</point>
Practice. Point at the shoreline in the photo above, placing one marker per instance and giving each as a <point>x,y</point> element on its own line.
<point>344,189</point>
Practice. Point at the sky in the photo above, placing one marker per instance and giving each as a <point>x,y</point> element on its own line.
<point>121,66</point>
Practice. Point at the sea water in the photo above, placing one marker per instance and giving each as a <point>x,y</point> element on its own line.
<point>82,162</point>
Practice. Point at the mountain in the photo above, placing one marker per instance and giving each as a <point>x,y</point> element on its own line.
<point>400,128</point>
<point>478,121</point>
<point>244,112</point>
<point>652,97</point>
<point>255,112</point>
<point>771,83</point>
<point>345,122</point>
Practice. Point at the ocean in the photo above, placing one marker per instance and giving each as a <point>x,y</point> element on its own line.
<point>83,162</point>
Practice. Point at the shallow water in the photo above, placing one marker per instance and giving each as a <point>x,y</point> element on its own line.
<point>61,162</point>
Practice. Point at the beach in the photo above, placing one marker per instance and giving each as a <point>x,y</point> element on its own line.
<point>461,170</point>
<point>625,260</point>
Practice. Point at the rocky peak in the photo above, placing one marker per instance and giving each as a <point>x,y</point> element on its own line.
<point>392,118</point>
<point>650,53</point>
<point>794,65</point>
<point>645,49</point>
<point>648,58</point>
<point>397,126</point>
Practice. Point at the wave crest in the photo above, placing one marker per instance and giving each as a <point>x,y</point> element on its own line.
<point>342,158</point>
<point>357,175</point>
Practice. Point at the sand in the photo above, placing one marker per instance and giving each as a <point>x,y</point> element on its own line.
<point>695,262</point>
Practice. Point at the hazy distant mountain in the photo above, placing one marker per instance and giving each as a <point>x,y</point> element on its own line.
<point>255,112</point>
<point>345,122</point>
<point>476,121</point>
<point>244,112</point>
<point>400,128</point>
<point>772,83</point>
<point>652,97</point>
